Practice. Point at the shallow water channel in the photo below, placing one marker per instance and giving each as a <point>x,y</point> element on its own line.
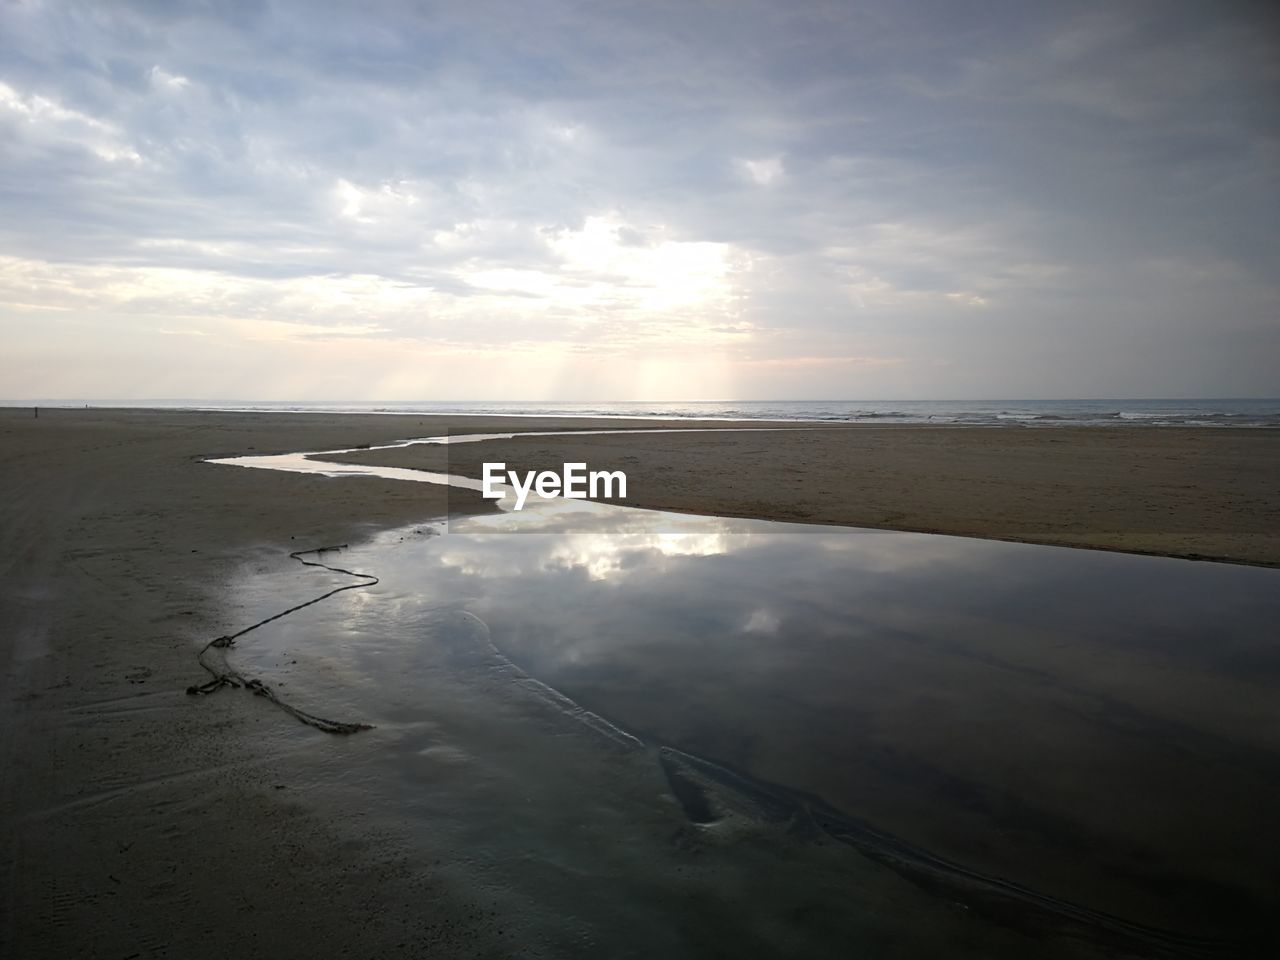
<point>635,733</point>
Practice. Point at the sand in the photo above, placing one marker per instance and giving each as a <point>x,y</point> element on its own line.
<point>136,819</point>
<point>139,821</point>
<point>1199,493</point>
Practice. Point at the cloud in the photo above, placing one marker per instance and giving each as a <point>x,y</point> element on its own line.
<point>982,194</point>
<point>763,171</point>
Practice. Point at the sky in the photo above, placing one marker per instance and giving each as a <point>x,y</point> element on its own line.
<point>563,200</point>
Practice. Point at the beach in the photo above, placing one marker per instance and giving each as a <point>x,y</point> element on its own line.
<point>133,817</point>
<point>144,821</point>
<point>1179,491</point>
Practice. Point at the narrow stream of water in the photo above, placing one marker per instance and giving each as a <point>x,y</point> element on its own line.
<point>635,733</point>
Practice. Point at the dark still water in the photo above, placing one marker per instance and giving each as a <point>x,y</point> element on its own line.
<point>636,734</point>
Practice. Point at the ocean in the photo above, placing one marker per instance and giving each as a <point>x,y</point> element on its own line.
<point>1012,413</point>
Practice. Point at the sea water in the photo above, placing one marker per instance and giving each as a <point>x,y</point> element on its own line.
<point>1012,413</point>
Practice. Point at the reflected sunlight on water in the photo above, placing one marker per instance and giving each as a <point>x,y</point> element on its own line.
<point>712,731</point>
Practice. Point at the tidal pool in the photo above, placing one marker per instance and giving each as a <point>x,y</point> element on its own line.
<point>633,733</point>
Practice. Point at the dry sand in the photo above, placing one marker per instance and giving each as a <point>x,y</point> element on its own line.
<point>138,821</point>
<point>1202,493</point>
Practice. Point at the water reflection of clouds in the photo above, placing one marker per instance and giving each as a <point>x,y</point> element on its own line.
<point>601,557</point>
<point>667,595</point>
<point>762,620</point>
<point>921,682</point>
<point>562,600</point>
<point>606,538</point>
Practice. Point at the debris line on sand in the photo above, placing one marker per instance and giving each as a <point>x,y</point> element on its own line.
<point>213,656</point>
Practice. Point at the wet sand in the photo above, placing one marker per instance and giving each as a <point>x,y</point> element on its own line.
<point>140,821</point>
